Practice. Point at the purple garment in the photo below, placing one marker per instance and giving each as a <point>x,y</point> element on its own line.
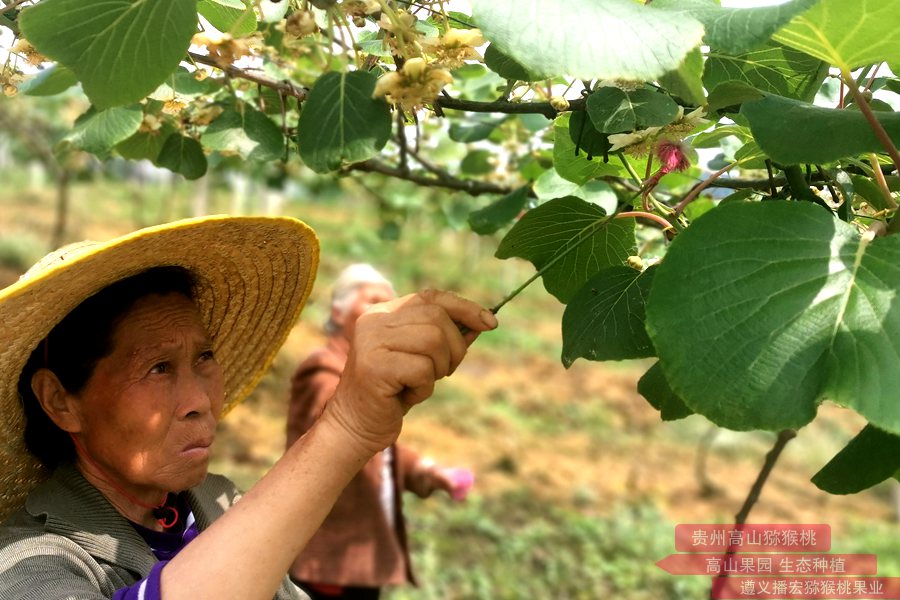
<point>165,545</point>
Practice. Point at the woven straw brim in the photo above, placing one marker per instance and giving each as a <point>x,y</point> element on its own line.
<point>253,274</point>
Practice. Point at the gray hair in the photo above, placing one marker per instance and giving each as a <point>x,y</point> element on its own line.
<point>346,287</point>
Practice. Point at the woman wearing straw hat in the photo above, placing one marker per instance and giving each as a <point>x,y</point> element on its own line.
<point>119,358</point>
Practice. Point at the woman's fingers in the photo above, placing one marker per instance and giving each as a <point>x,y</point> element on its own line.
<point>399,350</point>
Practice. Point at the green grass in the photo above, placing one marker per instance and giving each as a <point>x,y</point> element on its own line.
<point>514,546</point>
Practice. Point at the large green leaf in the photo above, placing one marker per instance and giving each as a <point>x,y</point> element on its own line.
<point>550,185</point>
<point>576,236</point>
<point>593,143</point>
<point>498,214</point>
<point>184,155</point>
<point>736,30</point>
<point>771,68</point>
<point>637,42</point>
<point>229,16</point>
<point>614,111</point>
<point>870,458</point>
<point>572,165</point>
<point>341,122</point>
<point>52,80</point>
<point>686,82</point>
<point>846,34</point>
<point>605,318</point>
<point>506,67</point>
<point>119,49</point>
<point>98,131</point>
<point>792,132</point>
<point>654,387</point>
<point>760,310</point>
<point>246,131</point>
<point>145,145</point>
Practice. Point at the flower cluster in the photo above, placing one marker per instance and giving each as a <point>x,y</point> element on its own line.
<point>9,81</point>
<point>455,47</point>
<point>641,142</point>
<point>27,51</point>
<point>225,49</point>
<point>417,83</point>
<point>300,23</point>
<point>358,10</point>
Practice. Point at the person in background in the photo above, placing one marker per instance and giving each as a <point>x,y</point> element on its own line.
<point>362,544</point>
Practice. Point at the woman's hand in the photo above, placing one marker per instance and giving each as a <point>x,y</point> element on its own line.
<point>399,350</point>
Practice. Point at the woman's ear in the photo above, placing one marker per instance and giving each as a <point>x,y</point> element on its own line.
<point>60,405</point>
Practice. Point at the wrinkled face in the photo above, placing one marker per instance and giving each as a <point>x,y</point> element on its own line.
<point>366,295</point>
<point>149,411</point>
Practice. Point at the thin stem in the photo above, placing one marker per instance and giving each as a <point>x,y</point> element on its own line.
<point>645,215</point>
<point>772,188</point>
<point>882,182</point>
<point>575,243</point>
<point>284,86</point>
<point>740,518</point>
<point>882,135</point>
<point>695,192</point>
<point>13,5</point>
<point>470,186</point>
<point>505,106</point>
<point>781,441</point>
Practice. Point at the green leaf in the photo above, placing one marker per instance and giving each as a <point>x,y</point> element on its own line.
<point>869,191</point>
<point>587,139</point>
<point>121,50</point>
<point>52,80</point>
<point>870,458</point>
<point>570,164</point>
<point>761,309</point>
<point>550,186</point>
<point>246,131</point>
<point>576,236</point>
<point>493,217</point>
<point>654,387</point>
<point>638,42</point>
<point>604,320</point>
<point>145,145</point>
<point>98,131</point>
<point>771,68</point>
<point>614,111</point>
<point>711,139</point>
<point>475,129</point>
<point>508,68</point>
<point>686,82</point>
<point>793,132</point>
<point>729,96</point>
<point>229,16</point>
<point>736,29</point>
<point>478,162</point>
<point>749,156</point>
<point>846,34</point>
<point>341,122</point>
<point>181,83</point>
<point>183,155</point>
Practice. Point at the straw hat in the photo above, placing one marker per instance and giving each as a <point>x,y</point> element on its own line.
<point>253,275</point>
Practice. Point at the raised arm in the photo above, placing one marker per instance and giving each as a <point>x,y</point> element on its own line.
<point>400,349</point>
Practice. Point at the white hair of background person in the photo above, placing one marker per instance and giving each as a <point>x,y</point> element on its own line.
<point>346,287</point>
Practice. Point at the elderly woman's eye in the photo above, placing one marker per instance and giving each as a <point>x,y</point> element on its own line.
<point>159,368</point>
<point>206,355</point>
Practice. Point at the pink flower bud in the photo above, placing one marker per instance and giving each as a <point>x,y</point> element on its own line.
<point>672,156</point>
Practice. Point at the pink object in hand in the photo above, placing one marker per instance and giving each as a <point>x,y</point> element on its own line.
<point>463,480</point>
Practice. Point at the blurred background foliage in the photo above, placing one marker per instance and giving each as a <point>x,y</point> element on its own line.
<point>578,483</point>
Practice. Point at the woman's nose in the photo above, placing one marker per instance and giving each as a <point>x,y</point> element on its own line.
<point>195,396</point>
